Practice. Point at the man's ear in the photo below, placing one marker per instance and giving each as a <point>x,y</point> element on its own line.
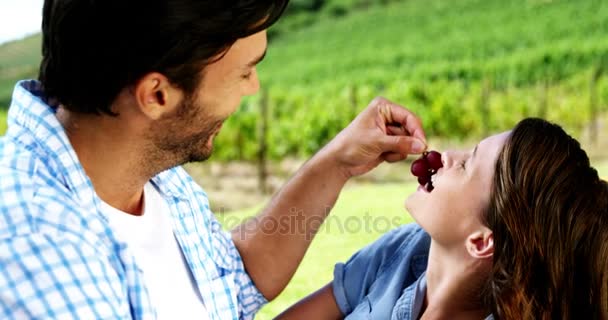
<point>155,96</point>
<point>480,244</point>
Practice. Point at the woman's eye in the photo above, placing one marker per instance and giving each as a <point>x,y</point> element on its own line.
<point>463,164</point>
<point>247,75</point>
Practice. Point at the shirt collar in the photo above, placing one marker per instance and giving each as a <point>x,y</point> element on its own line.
<point>31,111</point>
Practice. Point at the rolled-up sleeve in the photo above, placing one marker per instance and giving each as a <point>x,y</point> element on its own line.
<point>353,279</point>
<point>249,299</point>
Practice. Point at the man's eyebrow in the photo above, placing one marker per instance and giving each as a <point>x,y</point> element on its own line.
<point>257,60</point>
<point>475,151</point>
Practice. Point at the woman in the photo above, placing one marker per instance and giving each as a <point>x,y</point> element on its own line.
<point>534,247</point>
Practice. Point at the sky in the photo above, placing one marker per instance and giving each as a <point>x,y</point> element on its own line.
<point>19,18</point>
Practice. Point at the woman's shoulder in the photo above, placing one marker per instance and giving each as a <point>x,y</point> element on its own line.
<point>398,244</point>
<point>407,244</point>
<point>380,271</point>
<point>410,233</point>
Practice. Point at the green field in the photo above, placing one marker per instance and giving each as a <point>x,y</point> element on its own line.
<point>517,41</point>
<point>602,168</point>
<point>18,60</point>
<point>2,122</point>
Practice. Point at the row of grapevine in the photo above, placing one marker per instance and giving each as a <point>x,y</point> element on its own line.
<point>300,124</point>
<point>468,68</point>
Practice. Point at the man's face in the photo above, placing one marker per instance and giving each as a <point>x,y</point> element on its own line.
<point>188,133</point>
<point>462,191</point>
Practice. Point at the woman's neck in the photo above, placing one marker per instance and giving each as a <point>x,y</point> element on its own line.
<point>455,282</point>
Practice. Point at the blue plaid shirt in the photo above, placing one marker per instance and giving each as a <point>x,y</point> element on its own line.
<point>60,259</point>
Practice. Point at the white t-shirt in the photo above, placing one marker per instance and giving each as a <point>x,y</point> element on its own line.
<point>169,281</point>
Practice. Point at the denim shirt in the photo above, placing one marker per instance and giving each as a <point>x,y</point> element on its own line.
<point>386,279</point>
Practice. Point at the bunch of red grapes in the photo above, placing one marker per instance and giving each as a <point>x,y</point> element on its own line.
<point>425,167</point>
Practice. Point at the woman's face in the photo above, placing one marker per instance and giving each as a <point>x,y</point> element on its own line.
<point>462,191</point>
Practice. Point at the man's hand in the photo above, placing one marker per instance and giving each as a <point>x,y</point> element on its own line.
<point>384,131</point>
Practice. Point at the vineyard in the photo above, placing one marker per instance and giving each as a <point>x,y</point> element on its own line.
<point>466,67</point>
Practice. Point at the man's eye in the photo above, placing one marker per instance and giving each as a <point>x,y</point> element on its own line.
<point>463,164</point>
<point>247,75</point>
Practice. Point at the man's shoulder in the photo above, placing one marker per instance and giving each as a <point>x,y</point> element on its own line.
<point>32,195</point>
<point>405,244</point>
<point>19,165</point>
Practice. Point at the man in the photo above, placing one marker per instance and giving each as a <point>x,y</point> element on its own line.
<point>97,219</point>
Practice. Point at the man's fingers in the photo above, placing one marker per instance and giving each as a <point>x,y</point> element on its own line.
<point>394,113</point>
<point>409,121</point>
<point>396,130</point>
<point>402,145</point>
<point>394,157</point>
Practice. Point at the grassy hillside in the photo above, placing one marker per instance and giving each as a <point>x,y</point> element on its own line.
<point>433,39</point>
<point>18,60</point>
<point>2,121</point>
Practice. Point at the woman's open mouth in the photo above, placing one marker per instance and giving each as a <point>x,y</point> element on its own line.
<point>425,168</point>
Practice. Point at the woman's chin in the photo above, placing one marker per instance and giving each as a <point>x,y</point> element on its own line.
<point>408,203</point>
<point>415,202</point>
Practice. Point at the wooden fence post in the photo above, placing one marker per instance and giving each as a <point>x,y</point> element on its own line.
<point>543,107</point>
<point>484,107</point>
<point>593,105</point>
<point>263,144</point>
<point>354,103</point>
<point>240,145</point>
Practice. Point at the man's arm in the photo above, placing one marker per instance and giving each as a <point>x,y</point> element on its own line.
<point>273,244</point>
<point>321,305</point>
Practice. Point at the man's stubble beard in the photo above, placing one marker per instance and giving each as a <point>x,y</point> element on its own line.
<point>182,137</point>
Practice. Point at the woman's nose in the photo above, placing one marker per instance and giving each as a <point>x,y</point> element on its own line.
<point>446,159</point>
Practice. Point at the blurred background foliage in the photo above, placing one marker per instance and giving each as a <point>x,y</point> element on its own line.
<point>466,67</point>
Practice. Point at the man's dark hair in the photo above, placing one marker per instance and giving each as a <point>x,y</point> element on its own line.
<point>92,49</point>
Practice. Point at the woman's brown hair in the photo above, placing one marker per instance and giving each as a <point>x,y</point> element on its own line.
<point>549,215</point>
